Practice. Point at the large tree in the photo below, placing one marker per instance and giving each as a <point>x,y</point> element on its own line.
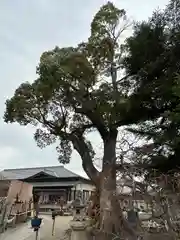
<point>78,91</point>
<point>153,59</point>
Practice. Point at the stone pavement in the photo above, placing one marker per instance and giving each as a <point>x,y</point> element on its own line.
<point>24,231</point>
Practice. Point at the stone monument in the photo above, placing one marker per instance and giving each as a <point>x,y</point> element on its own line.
<point>132,217</point>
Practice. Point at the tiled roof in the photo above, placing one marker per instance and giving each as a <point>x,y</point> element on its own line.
<point>23,173</point>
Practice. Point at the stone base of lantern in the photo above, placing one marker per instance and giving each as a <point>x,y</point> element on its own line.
<point>78,230</point>
<point>80,216</point>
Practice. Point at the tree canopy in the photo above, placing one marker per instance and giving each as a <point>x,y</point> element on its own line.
<point>71,96</point>
<point>154,60</point>
<point>78,89</point>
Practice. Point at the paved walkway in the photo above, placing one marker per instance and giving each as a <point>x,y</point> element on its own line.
<point>24,231</point>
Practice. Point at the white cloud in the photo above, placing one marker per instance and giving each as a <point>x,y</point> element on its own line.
<point>8,155</point>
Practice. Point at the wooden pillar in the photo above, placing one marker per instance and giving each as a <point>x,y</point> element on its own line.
<point>83,195</point>
<point>69,198</point>
<point>72,195</point>
<point>67,192</point>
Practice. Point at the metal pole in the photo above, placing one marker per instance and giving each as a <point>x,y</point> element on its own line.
<point>37,234</point>
<point>53,225</point>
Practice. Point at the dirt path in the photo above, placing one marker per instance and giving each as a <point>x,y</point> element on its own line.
<point>24,232</point>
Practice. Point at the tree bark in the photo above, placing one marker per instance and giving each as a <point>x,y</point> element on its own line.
<point>108,187</point>
<point>112,222</point>
<point>111,218</point>
<point>87,162</point>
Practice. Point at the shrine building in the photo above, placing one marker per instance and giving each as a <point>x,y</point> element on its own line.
<point>52,183</point>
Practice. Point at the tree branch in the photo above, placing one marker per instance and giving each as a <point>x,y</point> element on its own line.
<point>89,112</point>
<point>146,113</point>
<point>81,147</point>
<point>80,131</point>
<point>96,121</point>
<point>87,162</point>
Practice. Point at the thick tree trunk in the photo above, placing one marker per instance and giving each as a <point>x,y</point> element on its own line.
<point>106,206</point>
<point>111,218</point>
<point>108,187</point>
<point>112,222</point>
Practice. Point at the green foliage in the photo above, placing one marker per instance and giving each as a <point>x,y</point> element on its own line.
<point>78,91</point>
<point>68,99</point>
<point>156,70</point>
<point>105,31</point>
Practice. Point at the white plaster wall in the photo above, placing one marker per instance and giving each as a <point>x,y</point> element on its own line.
<point>84,186</point>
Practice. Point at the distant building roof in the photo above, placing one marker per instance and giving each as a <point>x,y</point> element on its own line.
<point>24,173</point>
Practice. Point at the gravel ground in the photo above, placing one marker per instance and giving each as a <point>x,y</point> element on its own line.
<point>24,231</point>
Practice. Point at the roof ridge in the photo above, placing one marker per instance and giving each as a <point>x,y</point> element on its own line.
<point>78,175</point>
<point>58,171</point>
<point>29,168</point>
<point>72,172</point>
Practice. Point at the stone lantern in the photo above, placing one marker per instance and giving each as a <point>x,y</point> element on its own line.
<point>78,210</point>
<point>78,224</point>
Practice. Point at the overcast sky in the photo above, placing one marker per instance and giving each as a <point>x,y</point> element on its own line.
<point>27,28</point>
